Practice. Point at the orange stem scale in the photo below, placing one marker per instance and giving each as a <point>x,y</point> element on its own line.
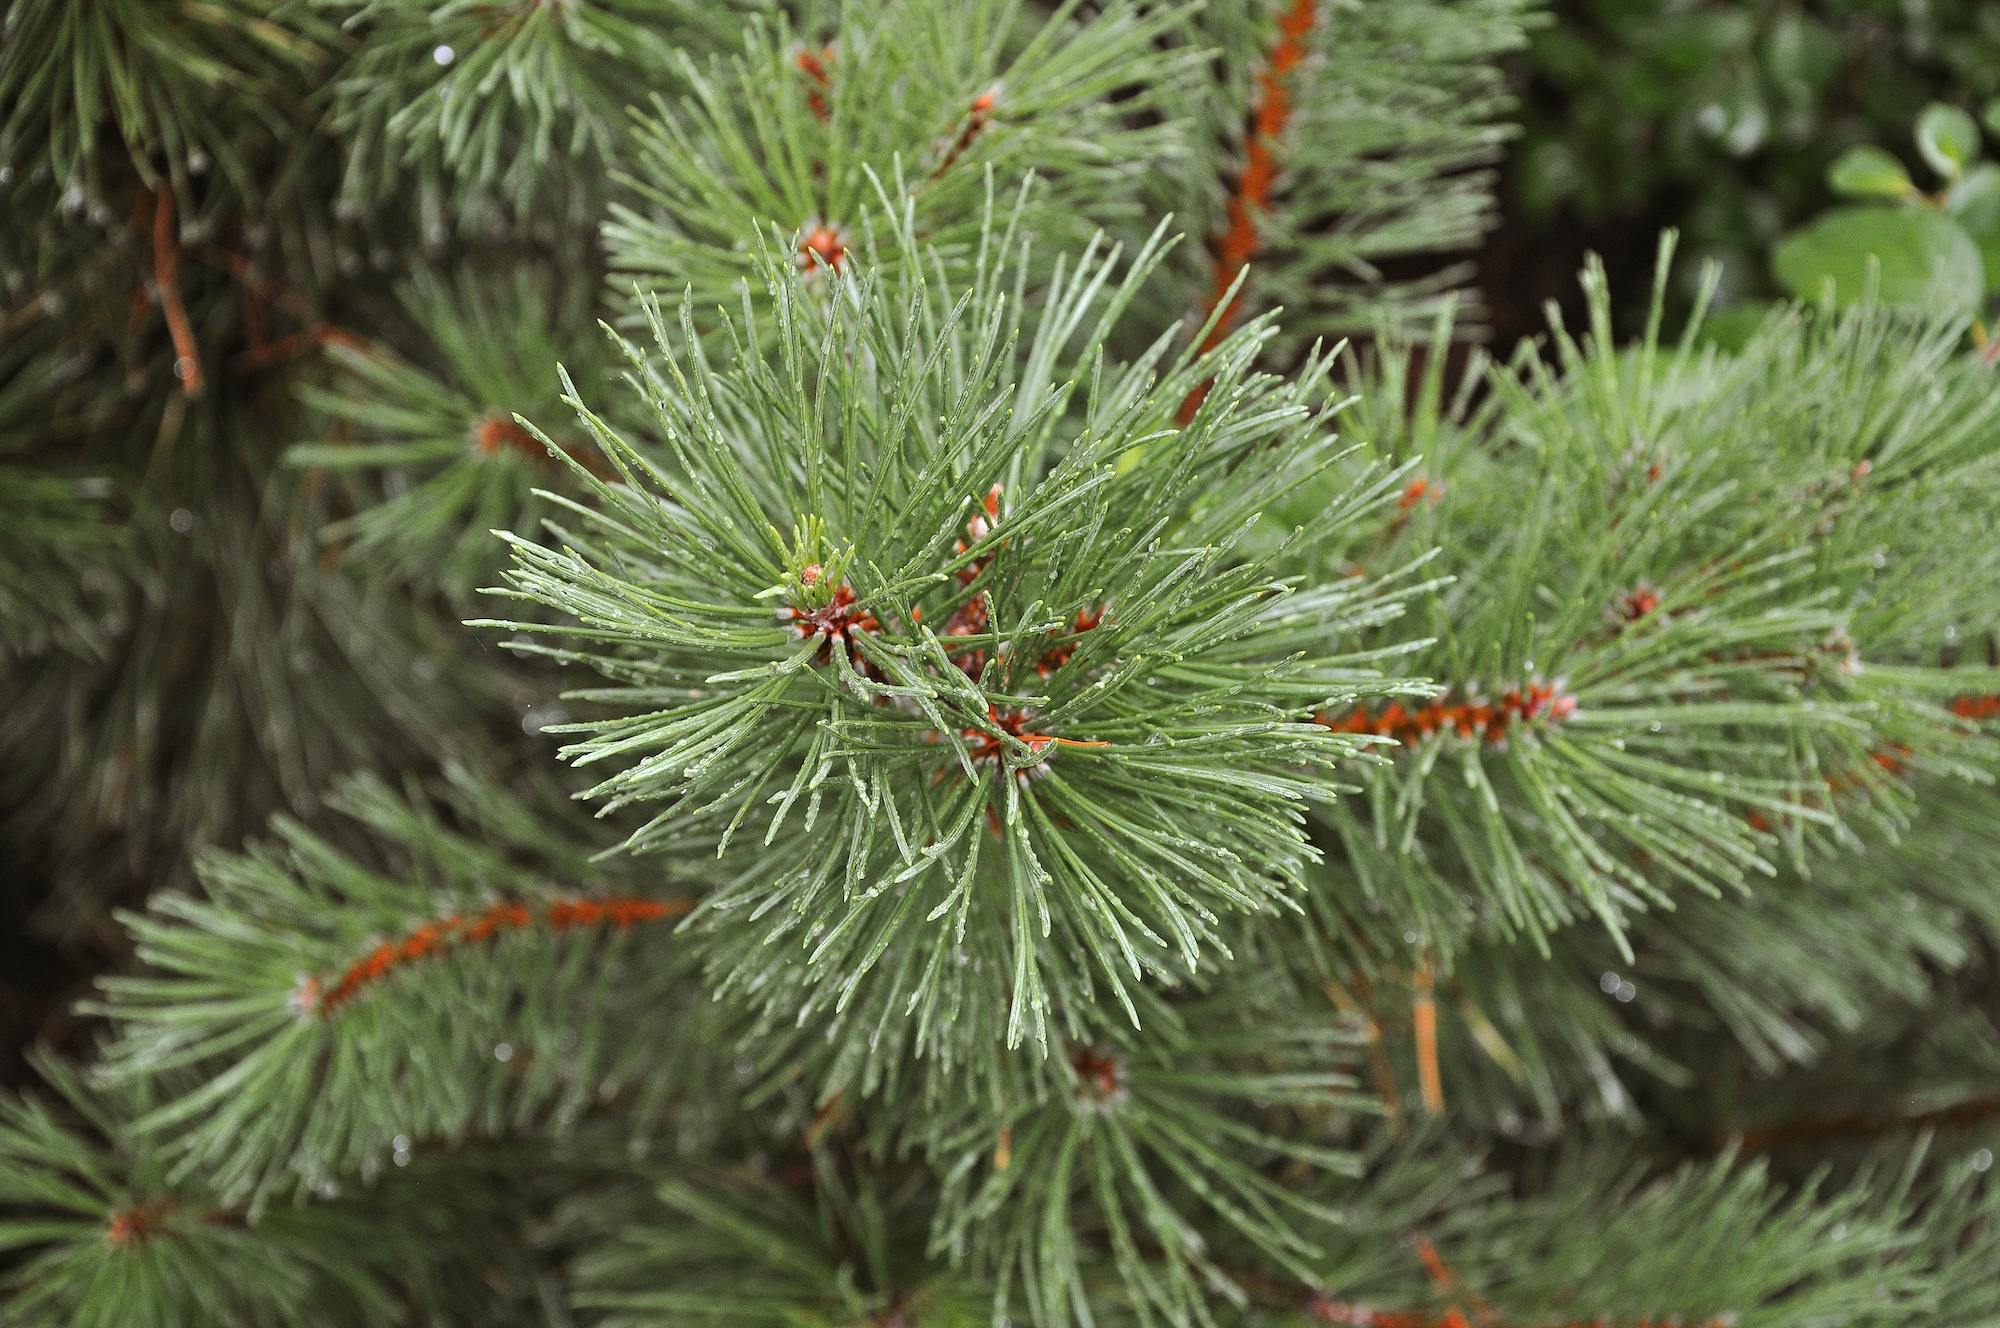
<point>131,1226</point>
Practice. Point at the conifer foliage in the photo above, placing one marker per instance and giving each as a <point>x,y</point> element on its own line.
<point>767,664</point>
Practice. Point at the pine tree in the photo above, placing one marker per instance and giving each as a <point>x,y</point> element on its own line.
<point>906,665</point>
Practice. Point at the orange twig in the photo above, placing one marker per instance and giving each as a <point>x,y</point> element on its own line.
<point>276,352</point>
<point>1378,1054</point>
<point>1424,1016</point>
<point>242,270</point>
<point>1240,241</point>
<point>465,928</point>
<point>166,280</point>
<point>1469,717</point>
<point>975,120</point>
<point>828,1114</point>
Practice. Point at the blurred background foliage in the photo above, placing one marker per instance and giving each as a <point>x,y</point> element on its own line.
<point>1718,117</point>
<point>1721,118</point>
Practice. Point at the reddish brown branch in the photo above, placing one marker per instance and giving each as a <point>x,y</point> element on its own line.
<point>1468,718</point>
<point>833,1112</point>
<point>1378,1052</point>
<point>1240,240</point>
<point>166,282</point>
<point>277,352</point>
<point>1858,1125</point>
<point>1423,1016</point>
<point>241,269</point>
<point>975,120</point>
<point>469,928</point>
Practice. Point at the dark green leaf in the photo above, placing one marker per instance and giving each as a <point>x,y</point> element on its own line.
<point>1948,139</point>
<point>1975,203</point>
<point>1926,259</point>
<point>1866,171</point>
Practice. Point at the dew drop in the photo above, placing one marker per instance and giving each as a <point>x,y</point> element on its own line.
<point>503,1052</point>
<point>1626,991</point>
<point>1608,984</point>
<point>1982,1160</point>
<point>182,521</point>
<point>444,55</point>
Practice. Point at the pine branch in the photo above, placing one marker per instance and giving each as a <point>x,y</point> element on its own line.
<point>304,675</point>
<point>180,87</point>
<point>791,143</point>
<point>1395,114</point>
<point>1251,198</point>
<point>1147,1157</point>
<point>1690,636</point>
<point>1013,770</point>
<point>110,1241</point>
<point>523,99</point>
<point>58,563</point>
<point>745,1251</point>
<point>453,464</point>
<point>302,1046</point>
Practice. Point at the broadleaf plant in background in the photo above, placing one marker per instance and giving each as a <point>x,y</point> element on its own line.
<point>1938,250</point>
